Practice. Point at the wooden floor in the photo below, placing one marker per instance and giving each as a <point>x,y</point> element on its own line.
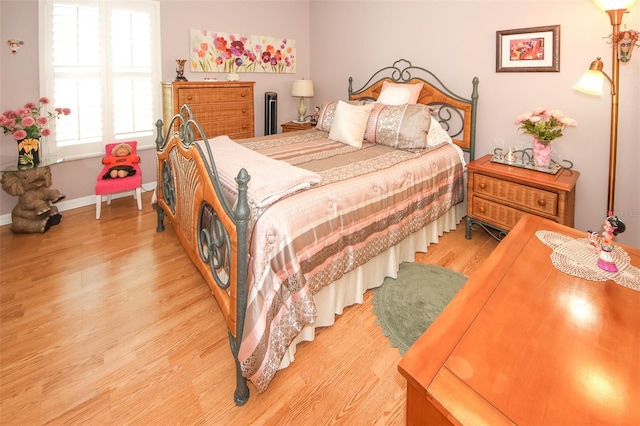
<point>107,322</point>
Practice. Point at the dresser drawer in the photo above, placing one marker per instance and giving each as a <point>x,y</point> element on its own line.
<point>232,128</point>
<point>217,95</point>
<point>236,129</point>
<point>217,113</point>
<point>535,199</point>
<point>496,214</point>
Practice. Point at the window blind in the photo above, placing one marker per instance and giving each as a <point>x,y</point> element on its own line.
<point>101,59</point>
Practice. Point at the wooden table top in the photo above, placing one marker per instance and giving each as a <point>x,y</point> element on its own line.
<point>524,343</point>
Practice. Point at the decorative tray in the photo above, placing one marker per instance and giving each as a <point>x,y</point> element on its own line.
<point>524,159</point>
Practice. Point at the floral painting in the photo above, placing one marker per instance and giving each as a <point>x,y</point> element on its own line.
<point>212,51</point>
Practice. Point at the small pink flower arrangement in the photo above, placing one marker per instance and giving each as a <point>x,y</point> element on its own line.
<point>27,122</point>
<point>545,125</point>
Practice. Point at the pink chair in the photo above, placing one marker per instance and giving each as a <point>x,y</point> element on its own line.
<point>113,186</point>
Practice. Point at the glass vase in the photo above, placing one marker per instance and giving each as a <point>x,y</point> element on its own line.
<point>541,153</point>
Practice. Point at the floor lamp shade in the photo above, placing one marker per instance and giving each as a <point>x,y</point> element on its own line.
<point>614,4</point>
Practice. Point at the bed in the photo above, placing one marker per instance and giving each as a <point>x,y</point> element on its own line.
<point>289,229</point>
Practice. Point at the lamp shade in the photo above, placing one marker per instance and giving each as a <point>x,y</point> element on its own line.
<point>302,88</point>
<point>614,4</point>
<point>590,82</point>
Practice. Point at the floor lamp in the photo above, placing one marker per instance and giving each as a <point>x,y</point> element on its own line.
<point>622,44</point>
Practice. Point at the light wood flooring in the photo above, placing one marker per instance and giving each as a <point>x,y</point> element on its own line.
<point>107,322</point>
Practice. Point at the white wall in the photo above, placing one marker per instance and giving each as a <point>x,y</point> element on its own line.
<point>457,41</point>
<point>338,39</point>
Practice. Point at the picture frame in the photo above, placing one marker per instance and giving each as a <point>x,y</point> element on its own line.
<point>535,49</point>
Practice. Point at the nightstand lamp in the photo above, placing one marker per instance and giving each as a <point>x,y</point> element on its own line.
<point>302,89</point>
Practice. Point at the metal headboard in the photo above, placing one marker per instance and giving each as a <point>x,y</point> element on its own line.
<point>452,109</point>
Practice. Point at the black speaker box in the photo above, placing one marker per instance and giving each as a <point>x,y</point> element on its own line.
<point>270,113</point>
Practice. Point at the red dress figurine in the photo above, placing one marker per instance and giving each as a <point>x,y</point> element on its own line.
<point>612,227</point>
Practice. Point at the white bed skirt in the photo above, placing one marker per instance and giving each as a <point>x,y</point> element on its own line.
<point>349,290</point>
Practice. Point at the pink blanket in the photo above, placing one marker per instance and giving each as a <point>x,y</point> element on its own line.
<point>369,200</point>
<point>270,179</point>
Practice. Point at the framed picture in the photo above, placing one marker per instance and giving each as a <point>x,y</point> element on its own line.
<point>534,49</point>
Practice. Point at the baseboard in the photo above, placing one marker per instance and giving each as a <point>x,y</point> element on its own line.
<point>65,204</point>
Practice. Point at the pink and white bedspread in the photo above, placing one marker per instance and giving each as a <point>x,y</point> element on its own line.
<point>368,200</point>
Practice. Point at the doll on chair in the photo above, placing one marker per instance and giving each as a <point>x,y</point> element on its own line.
<point>121,162</point>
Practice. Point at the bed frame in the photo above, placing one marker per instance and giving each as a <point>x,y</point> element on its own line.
<point>213,231</point>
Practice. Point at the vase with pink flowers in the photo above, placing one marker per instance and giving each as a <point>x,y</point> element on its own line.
<point>27,125</point>
<point>544,125</point>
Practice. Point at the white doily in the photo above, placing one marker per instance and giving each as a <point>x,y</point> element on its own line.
<point>576,257</point>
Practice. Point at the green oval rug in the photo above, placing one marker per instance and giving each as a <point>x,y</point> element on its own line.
<point>406,306</point>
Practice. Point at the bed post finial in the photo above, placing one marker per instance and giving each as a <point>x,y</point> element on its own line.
<point>474,109</point>
<point>350,87</point>
<point>159,138</point>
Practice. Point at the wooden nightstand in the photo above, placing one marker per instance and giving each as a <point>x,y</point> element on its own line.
<point>292,126</point>
<point>498,195</point>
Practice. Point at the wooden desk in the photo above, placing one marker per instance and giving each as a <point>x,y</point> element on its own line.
<point>523,343</point>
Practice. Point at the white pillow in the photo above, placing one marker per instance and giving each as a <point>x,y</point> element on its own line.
<point>349,123</point>
<point>437,134</point>
<point>399,93</point>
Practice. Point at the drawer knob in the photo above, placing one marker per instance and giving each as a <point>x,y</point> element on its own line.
<point>542,202</point>
<point>189,97</point>
<point>244,110</point>
<point>243,94</point>
<point>481,209</point>
<point>483,185</point>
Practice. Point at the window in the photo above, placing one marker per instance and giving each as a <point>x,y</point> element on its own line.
<point>102,60</point>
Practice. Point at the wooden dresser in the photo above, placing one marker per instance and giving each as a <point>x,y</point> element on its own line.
<point>220,107</point>
<point>499,195</point>
<point>523,343</point>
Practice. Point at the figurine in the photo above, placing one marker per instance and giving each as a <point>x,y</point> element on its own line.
<point>180,70</point>
<point>627,40</point>
<point>612,227</point>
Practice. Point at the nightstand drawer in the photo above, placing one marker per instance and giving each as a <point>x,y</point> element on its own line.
<point>534,199</point>
<point>495,214</point>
